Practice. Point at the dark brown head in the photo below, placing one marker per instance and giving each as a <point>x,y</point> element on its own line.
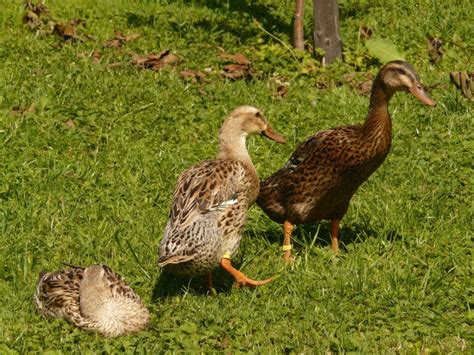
<point>400,76</point>
<point>245,120</point>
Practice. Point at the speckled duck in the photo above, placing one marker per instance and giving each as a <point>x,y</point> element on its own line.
<point>210,203</point>
<point>93,298</point>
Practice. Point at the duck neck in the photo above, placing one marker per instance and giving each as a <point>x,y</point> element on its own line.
<point>378,119</point>
<point>232,145</point>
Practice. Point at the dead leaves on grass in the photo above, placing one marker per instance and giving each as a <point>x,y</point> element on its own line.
<point>195,76</point>
<point>22,110</point>
<point>155,61</point>
<point>68,30</point>
<point>119,39</point>
<point>38,18</point>
<point>465,82</point>
<point>435,50</point>
<point>239,68</point>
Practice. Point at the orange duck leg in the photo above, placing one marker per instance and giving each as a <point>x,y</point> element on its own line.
<point>335,235</point>
<point>239,277</point>
<point>287,230</point>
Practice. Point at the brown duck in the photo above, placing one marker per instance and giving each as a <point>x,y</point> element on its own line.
<point>93,298</point>
<point>325,171</point>
<point>210,203</point>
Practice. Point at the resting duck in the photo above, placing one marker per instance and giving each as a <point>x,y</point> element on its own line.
<point>325,171</point>
<point>93,298</point>
<point>210,203</point>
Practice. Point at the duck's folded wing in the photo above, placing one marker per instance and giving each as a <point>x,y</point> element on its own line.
<point>117,285</point>
<point>57,293</point>
<point>209,187</point>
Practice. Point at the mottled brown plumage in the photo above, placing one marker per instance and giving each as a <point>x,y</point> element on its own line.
<point>210,202</point>
<point>325,171</point>
<point>93,298</point>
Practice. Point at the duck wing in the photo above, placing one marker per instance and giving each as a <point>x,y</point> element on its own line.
<point>339,147</point>
<point>117,285</point>
<point>57,295</point>
<point>202,194</point>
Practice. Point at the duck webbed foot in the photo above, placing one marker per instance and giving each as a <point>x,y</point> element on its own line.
<point>240,278</point>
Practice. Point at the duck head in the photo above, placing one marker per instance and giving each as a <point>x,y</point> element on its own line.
<point>247,120</point>
<point>401,76</point>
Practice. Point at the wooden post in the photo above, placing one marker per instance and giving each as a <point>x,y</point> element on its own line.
<point>298,34</point>
<point>326,29</point>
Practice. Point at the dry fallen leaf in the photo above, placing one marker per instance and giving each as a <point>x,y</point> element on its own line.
<point>70,123</point>
<point>95,55</point>
<point>435,51</point>
<point>281,84</point>
<point>465,82</point>
<point>68,30</point>
<point>365,32</point>
<point>19,110</point>
<point>155,61</point>
<point>194,75</point>
<point>236,58</point>
<point>36,16</point>
<point>240,67</point>
<point>120,39</point>
<point>234,71</point>
<point>39,19</point>
<point>112,43</point>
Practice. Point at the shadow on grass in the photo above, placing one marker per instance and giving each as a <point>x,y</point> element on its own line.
<point>169,285</point>
<point>319,235</point>
<point>263,13</point>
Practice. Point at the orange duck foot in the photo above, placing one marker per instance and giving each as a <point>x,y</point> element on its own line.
<point>240,278</point>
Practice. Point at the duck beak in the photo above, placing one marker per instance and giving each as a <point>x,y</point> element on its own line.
<point>418,91</point>
<point>270,133</point>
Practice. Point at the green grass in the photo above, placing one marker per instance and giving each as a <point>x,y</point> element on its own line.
<point>99,192</point>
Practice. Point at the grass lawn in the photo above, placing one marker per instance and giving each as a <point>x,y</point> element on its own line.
<point>91,146</point>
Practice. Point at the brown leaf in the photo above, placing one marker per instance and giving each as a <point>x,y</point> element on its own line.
<point>282,84</point>
<point>155,61</point>
<point>19,110</point>
<point>194,75</point>
<point>112,43</point>
<point>36,16</point>
<point>169,59</point>
<point>465,82</point>
<point>68,30</point>
<point>365,32</point>
<point>435,51</point>
<point>236,58</point>
<point>131,37</point>
<point>240,67</point>
<point>234,71</point>
<point>95,55</point>
<point>365,88</point>
<point>282,90</point>
<point>120,39</point>
<point>349,77</point>
<point>70,123</point>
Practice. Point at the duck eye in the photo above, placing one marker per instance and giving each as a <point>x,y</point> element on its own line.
<point>258,114</point>
<point>401,71</point>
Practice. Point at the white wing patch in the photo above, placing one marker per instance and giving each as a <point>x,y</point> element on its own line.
<point>223,205</point>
